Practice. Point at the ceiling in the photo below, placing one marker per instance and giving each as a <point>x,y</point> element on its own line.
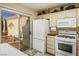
<point>41,6</point>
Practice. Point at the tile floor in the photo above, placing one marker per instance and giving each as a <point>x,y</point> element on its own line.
<point>32,52</point>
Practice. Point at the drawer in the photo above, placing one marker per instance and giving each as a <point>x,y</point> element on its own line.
<point>53,45</point>
<point>50,46</point>
<point>49,50</point>
<point>52,51</point>
<point>78,53</point>
<point>51,38</point>
<point>78,44</point>
<point>78,48</point>
<point>50,43</point>
<point>78,38</point>
<point>48,39</point>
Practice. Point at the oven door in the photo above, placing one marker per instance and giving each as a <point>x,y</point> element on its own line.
<point>66,48</point>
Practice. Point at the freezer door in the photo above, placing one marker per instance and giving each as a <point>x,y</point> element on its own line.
<point>40,29</point>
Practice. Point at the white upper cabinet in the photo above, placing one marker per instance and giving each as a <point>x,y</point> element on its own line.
<point>53,19</point>
<point>67,14</point>
<point>53,22</point>
<point>73,13</point>
<point>70,13</point>
<point>61,14</point>
<point>53,15</point>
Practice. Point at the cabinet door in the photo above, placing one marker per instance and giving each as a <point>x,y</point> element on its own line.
<point>70,13</point>
<point>51,51</point>
<point>53,19</point>
<point>61,14</point>
<point>78,48</point>
<point>54,15</point>
<point>53,22</point>
<point>78,17</point>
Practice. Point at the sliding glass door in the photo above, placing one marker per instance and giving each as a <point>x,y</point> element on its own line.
<point>9,23</point>
<point>16,25</point>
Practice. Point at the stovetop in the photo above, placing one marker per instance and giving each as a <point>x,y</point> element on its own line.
<point>65,36</point>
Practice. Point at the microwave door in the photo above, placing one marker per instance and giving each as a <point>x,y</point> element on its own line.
<point>67,22</point>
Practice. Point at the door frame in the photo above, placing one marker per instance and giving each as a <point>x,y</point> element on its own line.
<point>29,24</point>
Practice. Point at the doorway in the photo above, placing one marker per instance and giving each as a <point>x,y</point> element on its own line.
<point>25,32</point>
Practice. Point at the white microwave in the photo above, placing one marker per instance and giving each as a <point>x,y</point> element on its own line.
<point>67,22</point>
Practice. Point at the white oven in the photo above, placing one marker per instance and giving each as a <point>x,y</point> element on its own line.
<point>65,43</point>
<point>67,22</point>
<point>65,48</point>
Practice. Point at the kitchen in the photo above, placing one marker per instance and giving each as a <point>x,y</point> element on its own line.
<point>52,31</point>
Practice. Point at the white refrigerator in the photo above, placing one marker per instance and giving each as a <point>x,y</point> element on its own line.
<point>40,30</point>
